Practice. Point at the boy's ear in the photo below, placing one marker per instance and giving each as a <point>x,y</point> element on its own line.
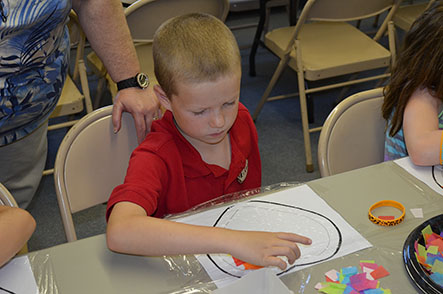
<point>162,97</point>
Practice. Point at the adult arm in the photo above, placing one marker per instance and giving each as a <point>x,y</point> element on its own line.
<point>131,231</point>
<point>104,24</point>
<point>420,127</point>
<point>16,227</point>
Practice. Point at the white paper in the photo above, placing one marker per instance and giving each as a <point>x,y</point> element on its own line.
<point>17,277</point>
<point>262,281</point>
<point>423,173</point>
<point>297,210</point>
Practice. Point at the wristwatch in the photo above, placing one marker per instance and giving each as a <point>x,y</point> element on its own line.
<point>140,80</point>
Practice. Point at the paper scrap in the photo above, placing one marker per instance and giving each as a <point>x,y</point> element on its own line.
<point>332,275</point>
<point>417,212</point>
<point>379,273</point>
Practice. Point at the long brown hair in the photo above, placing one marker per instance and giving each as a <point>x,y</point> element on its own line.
<point>419,65</point>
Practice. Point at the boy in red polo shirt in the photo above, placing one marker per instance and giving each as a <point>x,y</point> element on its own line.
<point>205,146</point>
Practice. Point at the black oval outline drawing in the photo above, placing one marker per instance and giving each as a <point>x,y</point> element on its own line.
<point>284,205</point>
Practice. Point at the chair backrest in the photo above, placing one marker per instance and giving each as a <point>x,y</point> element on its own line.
<point>407,14</point>
<point>145,16</point>
<point>353,135</point>
<point>345,10</point>
<point>6,198</point>
<point>90,162</point>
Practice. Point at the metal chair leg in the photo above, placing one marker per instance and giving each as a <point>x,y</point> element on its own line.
<point>274,79</point>
<point>304,112</point>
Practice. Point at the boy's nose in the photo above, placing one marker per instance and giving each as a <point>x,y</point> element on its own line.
<point>217,120</point>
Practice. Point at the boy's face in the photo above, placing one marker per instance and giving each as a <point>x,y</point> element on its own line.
<point>205,112</point>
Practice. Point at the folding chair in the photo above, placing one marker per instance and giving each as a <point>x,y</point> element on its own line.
<point>407,14</point>
<point>353,135</point>
<point>144,17</point>
<point>323,45</point>
<point>90,162</point>
<point>7,199</point>
<point>73,100</point>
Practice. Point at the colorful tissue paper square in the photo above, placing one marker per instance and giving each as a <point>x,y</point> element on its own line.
<point>421,250</point>
<point>379,273</point>
<point>373,291</point>
<point>438,243</point>
<point>333,288</point>
<point>437,278</point>
<point>367,284</point>
<point>437,267</point>
<point>427,231</point>
<point>368,265</point>
<point>348,290</point>
<point>432,250</point>
<point>358,278</point>
<point>332,275</point>
<point>349,271</point>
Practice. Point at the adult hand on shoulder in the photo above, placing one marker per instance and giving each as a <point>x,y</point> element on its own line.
<point>264,248</point>
<point>141,104</point>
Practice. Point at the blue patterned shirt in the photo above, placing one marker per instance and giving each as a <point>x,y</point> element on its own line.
<point>395,147</point>
<point>34,53</point>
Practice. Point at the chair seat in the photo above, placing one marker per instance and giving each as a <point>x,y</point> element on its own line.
<point>406,15</point>
<point>330,49</point>
<point>71,100</point>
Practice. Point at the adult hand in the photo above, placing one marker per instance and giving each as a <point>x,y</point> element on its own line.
<point>266,248</point>
<point>141,104</point>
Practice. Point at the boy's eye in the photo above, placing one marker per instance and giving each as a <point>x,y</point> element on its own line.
<point>198,112</point>
<point>229,103</point>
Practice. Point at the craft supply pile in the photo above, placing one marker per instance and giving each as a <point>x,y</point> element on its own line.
<point>350,281</point>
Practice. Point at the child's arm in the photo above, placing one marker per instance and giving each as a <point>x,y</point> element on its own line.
<point>131,231</point>
<point>16,227</point>
<point>420,127</point>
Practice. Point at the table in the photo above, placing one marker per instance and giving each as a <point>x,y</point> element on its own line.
<point>87,266</point>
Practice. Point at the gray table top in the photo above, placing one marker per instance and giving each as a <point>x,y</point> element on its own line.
<point>87,266</point>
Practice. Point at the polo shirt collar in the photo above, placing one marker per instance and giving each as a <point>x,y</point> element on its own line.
<point>193,164</point>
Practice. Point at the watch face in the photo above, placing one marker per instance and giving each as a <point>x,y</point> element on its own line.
<point>142,80</point>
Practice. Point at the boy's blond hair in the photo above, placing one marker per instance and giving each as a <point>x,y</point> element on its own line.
<point>194,48</point>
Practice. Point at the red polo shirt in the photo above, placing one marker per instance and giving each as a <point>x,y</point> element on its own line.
<point>166,174</point>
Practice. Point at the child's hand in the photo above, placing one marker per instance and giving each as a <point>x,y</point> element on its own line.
<point>263,248</point>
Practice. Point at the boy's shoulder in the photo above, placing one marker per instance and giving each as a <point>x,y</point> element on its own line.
<point>244,117</point>
<point>162,135</point>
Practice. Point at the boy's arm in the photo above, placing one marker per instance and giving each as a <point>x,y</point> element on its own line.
<point>131,231</point>
<point>420,127</point>
<point>16,227</point>
<point>104,24</point>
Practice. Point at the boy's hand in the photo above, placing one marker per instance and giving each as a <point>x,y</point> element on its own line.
<point>263,248</point>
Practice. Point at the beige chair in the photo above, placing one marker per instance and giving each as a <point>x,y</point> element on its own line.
<point>353,135</point>
<point>407,14</point>
<point>144,17</point>
<point>73,100</point>
<point>323,45</point>
<point>90,162</point>
<point>7,199</point>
